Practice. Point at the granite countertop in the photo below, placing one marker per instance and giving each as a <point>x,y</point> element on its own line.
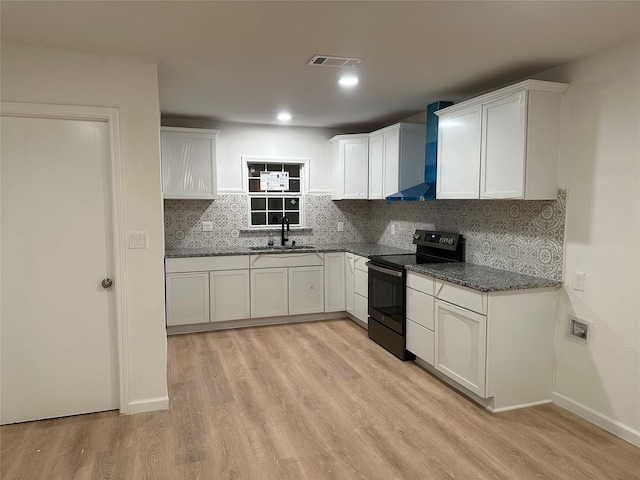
<point>479,277</point>
<point>362,249</point>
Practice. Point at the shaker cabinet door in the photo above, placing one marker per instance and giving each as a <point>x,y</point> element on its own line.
<point>229,294</point>
<point>460,353</point>
<point>269,292</point>
<point>187,298</point>
<point>502,159</point>
<point>458,173</point>
<point>334,282</point>
<point>306,290</point>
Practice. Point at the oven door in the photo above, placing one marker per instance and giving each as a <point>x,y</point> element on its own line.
<point>387,296</point>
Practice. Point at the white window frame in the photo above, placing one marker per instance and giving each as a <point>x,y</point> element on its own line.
<point>304,181</point>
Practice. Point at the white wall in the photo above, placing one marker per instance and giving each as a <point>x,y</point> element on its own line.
<point>237,140</point>
<point>600,167</point>
<point>37,75</point>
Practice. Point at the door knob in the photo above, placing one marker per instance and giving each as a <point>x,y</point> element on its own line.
<point>107,282</point>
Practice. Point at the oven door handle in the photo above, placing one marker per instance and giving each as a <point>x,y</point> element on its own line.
<point>388,271</point>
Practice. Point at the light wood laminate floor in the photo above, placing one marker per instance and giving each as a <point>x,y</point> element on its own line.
<point>311,401</point>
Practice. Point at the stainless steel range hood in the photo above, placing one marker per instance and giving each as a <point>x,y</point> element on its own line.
<point>425,191</point>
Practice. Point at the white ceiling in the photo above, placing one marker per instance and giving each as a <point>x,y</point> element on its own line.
<point>244,61</point>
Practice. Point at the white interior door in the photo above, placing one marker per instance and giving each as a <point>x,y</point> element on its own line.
<point>58,330</point>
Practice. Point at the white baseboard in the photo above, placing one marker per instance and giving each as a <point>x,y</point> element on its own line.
<point>148,405</point>
<point>609,424</point>
<point>253,322</point>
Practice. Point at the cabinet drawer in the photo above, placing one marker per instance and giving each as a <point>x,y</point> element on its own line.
<point>361,308</point>
<point>421,342</point>
<point>361,263</point>
<point>462,296</point>
<point>420,308</point>
<point>420,282</point>
<point>204,264</point>
<point>361,284</point>
<point>286,260</point>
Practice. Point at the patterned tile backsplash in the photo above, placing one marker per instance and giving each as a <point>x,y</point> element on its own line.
<point>519,236</point>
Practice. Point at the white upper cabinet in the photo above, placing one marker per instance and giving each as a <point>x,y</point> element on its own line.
<point>189,163</point>
<point>396,159</point>
<point>349,166</point>
<point>502,144</point>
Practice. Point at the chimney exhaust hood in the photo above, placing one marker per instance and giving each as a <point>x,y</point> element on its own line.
<point>425,191</point>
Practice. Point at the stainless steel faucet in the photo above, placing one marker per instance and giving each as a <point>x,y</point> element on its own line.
<point>284,238</point>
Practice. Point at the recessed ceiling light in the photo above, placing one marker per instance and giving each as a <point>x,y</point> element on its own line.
<point>348,81</point>
<point>284,116</point>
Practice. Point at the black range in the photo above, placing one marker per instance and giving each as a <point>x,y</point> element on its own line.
<point>387,281</point>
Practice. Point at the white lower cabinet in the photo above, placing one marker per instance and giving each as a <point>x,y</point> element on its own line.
<point>496,345</point>
<point>306,290</point>
<point>187,298</point>
<point>287,284</point>
<point>269,292</point>
<point>206,289</point>
<point>229,295</point>
<point>460,347</point>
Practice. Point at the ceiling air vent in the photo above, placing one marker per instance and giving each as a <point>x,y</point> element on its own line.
<point>329,61</point>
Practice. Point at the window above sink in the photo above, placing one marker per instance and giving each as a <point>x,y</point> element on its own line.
<point>275,187</point>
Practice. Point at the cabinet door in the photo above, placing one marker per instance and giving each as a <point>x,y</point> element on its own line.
<point>229,295</point>
<point>502,159</point>
<point>376,143</point>
<point>460,353</point>
<point>355,154</point>
<point>334,282</point>
<point>187,298</point>
<point>269,292</point>
<point>458,173</point>
<point>188,163</point>
<point>349,283</point>
<point>306,290</point>
<point>391,163</point>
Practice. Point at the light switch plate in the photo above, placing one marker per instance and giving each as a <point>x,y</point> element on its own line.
<point>341,226</point>
<point>578,281</point>
<point>207,226</point>
<point>138,240</point>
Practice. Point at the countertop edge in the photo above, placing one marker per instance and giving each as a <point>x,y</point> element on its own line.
<point>489,281</point>
<point>477,277</point>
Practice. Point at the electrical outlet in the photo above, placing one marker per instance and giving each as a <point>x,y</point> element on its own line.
<point>393,228</point>
<point>578,281</point>
<point>341,226</point>
<point>207,226</point>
